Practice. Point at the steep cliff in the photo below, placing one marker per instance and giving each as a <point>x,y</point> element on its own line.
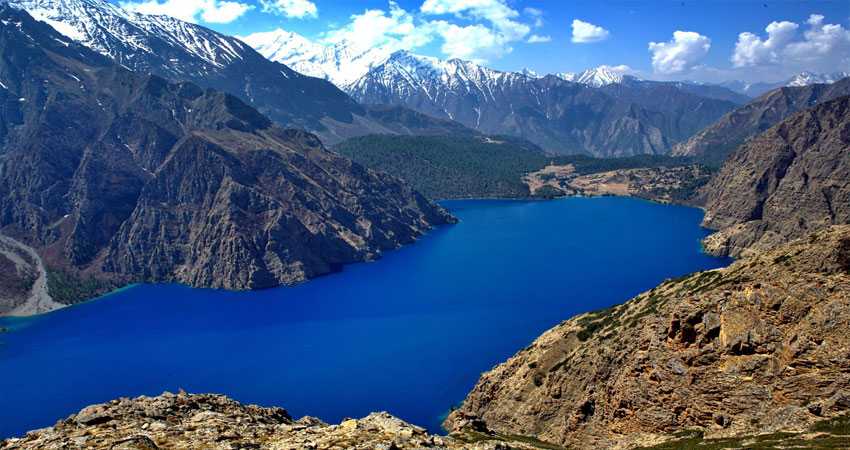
<point>758,347</point>
<point>111,174</point>
<point>717,141</point>
<point>784,183</point>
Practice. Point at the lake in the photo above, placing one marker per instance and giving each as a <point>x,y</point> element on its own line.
<point>409,334</point>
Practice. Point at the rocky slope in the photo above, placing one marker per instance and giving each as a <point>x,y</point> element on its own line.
<point>112,174</point>
<point>784,183</point>
<point>619,119</point>
<point>758,347</point>
<point>716,142</point>
<point>179,421</point>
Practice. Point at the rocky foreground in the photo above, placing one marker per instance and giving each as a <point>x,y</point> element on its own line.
<point>184,421</point>
<point>759,347</point>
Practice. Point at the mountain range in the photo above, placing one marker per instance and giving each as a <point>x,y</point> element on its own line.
<point>182,51</point>
<point>115,176</point>
<point>716,142</point>
<point>621,119</point>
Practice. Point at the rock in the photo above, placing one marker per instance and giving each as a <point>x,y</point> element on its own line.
<point>717,141</point>
<point>135,443</point>
<point>758,347</point>
<point>203,421</point>
<point>784,184</point>
<point>131,178</point>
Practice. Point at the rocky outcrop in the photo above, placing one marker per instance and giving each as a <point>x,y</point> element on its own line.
<point>112,174</point>
<point>215,422</point>
<point>783,184</point>
<point>717,141</point>
<point>758,347</point>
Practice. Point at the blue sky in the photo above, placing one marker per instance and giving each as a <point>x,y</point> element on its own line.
<point>656,39</point>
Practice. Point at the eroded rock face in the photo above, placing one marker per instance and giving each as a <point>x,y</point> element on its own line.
<point>760,346</point>
<point>783,184</point>
<point>717,141</point>
<point>127,177</point>
<point>184,421</point>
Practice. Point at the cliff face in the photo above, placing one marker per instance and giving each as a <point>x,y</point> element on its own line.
<point>717,141</point>
<point>216,422</point>
<point>756,347</point>
<point>111,174</point>
<point>786,182</point>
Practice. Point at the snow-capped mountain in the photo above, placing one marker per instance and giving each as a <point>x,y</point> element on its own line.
<point>341,63</point>
<point>597,76</point>
<point>808,78</point>
<point>801,79</point>
<point>614,119</point>
<point>179,50</point>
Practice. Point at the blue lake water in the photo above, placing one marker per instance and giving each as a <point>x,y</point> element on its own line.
<point>409,334</point>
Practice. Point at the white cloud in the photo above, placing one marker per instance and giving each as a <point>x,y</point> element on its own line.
<point>394,30</point>
<point>535,14</point>
<point>480,41</point>
<point>681,54</point>
<point>293,9</point>
<point>210,11</point>
<point>751,50</point>
<point>473,42</point>
<point>586,32</point>
<point>537,39</point>
<point>477,30</point>
<point>822,47</point>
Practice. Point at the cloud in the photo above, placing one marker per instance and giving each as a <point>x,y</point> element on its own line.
<point>751,50</point>
<point>477,30</point>
<point>484,41</point>
<point>537,39</point>
<point>535,14</point>
<point>394,30</point>
<point>585,32</point>
<point>681,54</point>
<point>822,47</point>
<point>293,9</point>
<point>210,11</point>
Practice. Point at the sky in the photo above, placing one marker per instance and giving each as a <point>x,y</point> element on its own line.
<point>707,40</point>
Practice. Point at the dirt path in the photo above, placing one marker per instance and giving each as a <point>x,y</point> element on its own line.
<point>39,300</point>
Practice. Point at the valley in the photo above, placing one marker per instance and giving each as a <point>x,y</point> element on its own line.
<point>472,225</point>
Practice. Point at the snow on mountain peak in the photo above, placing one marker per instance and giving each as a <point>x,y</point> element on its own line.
<point>340,63</point>
<point>602,76</point>
<point>808,78</point>
<point>105,28</point>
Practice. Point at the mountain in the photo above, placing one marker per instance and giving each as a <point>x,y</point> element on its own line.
<point>341,63</point>
<point>714,143</point>
<point>595,77</point>
<point>750,89</point>
<point>120,177</point>
<point>560,116</point>
<point>784,183</point>
<point>181,51</point>
<point>750,356</point>
<point>801,79</point>
<point>809,78</point>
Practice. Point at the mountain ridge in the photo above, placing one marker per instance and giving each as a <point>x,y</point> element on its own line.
<point>117,177</point>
